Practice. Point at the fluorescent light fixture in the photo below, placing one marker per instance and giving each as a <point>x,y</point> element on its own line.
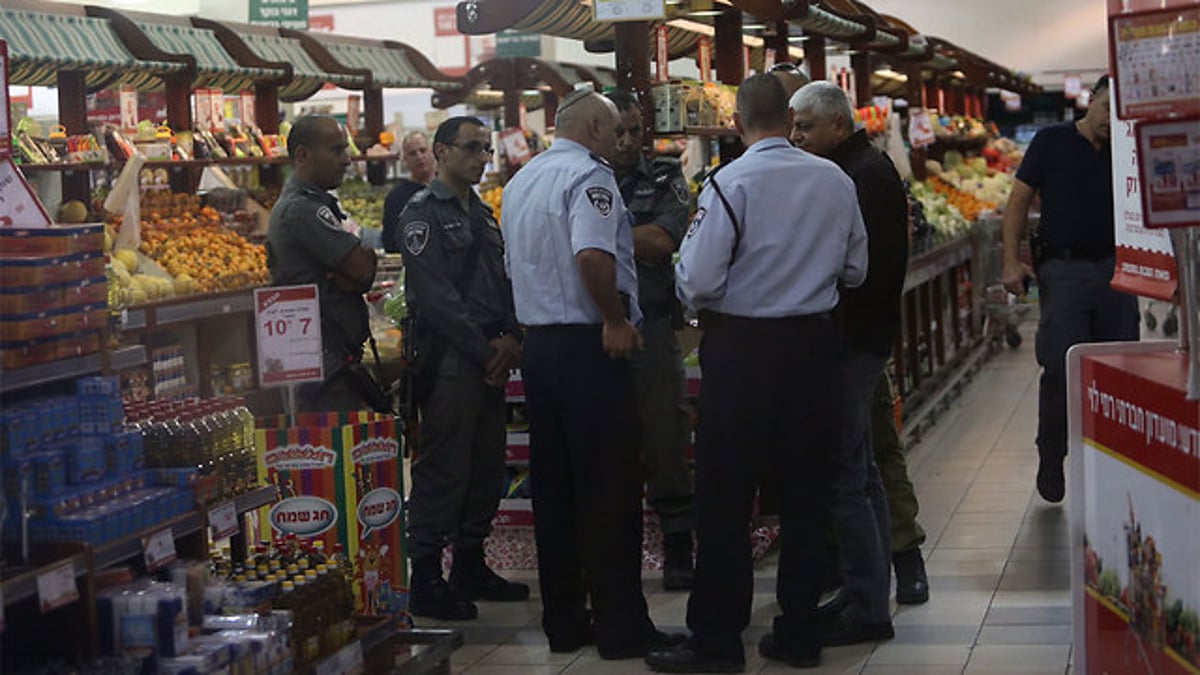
<point>705,12</point>
<point>754,26</point>
<point>798,38</point>
<point>705,29</point>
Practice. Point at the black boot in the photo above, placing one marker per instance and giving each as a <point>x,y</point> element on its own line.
<point>470,576</point>
<point>912,586</point>
<point>677,561</point>
<point>432,597</point>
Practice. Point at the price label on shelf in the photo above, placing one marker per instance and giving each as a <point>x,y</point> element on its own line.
<point>159,549</point>
<point>288,321</point>
<point>56,588</point>
<point>223,521</point>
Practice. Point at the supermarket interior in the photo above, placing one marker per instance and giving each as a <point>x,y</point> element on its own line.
<point>209,468</point>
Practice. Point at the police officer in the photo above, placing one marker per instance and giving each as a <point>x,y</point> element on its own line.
<point>307,245</point>
<point>774,234</point>
<point>656,194</point>
<point>467,342</point>
<point>569,251</point>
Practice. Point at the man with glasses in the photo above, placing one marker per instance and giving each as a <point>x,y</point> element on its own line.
<point>468,340</point>
<point>656,193</point>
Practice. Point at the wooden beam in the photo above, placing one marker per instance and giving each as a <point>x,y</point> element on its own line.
<point>730,54</point>
<point>814,56</point>
<point>72,114</point>
<point>860,63</point>
<point>779,43</point>
<point>633,70</point>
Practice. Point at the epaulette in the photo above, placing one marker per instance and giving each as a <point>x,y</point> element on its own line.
<point>420,197</point>
<point>603,162</point>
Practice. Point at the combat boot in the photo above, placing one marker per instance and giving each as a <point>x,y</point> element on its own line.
<point>431,597</point>
<point>472,578</point>
<point>912,585</point>
<point>677,561</point>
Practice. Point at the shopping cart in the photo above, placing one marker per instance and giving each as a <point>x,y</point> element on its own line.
<point>1003,311</point>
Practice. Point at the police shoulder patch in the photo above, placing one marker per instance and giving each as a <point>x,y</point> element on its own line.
<point>325,215</point>
<point>680,188</point>
<point>700,213</point>
<point>416,236</point>
<point>601,198</point>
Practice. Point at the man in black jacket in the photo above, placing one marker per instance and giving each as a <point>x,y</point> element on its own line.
<point>823,124</point>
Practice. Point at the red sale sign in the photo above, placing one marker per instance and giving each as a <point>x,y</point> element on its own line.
<point>288,325</point>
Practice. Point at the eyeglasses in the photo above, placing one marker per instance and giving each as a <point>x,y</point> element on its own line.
<point>474,147</point>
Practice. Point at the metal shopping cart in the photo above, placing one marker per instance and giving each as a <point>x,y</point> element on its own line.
<point>1003,312</point>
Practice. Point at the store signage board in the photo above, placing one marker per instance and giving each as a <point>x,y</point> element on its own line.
<point>288,324</point>
<point>203,103</point>
<point>280,13</point>
<point>19,205</point>
<point>1168,153</point>
<point>158,549</point>
<point>128,98</point>
<point>56,588</point>
<point>705,49</point>
<point>217,101</point>
<point>223,521</point>
<point>246,108</point>
<point>920,129</point>
<point>629,10</point>
<point>1154,55</point>
<point>661,55</point>
<point>510,43</point>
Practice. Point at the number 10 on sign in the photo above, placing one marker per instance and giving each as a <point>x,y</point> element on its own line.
<point>288,321</point>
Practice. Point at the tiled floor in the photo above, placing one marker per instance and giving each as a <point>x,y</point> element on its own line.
<point>997,559</point>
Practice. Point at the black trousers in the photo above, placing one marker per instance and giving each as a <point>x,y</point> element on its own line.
<point>766,408</point>
<point>587,486</point>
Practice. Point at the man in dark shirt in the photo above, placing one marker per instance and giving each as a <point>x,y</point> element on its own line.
<point>419,160</point>
<point>1069,166</point>
<point>823,124</point>
<point>458,289</point>
<point>307,245</point>
<point>656,193</point>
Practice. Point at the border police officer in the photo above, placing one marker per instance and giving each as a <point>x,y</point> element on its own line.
<point>775,232</point>
<point>656,194</point>
<point>570,255</point>
<point>468,340</point>
<point>307,245</point>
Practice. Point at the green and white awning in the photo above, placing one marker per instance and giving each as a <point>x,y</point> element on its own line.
<point>41,44</point>
<point>215,68</point>
<point>307,75</point>
<point>390,68</point>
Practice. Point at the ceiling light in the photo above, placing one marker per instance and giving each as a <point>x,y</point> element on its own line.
<point>797,38</point>
<point>705,12</point>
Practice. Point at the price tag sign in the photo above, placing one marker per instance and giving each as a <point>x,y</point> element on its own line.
<point>217,101</point>
<point>288,323</point>
<point>159,549</point>
<point>246,108</point>
<point>56,588</point>
<point>629,10</point>
<point>920,129</point>
<point>223,521</point>
<point>129,108</point>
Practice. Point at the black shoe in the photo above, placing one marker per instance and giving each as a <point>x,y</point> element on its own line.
<point>677,561</point>
<point>682,658</point>
<point>432,597</point>
<point>1051,484</point>
<point>806,656</point>
<point>912,585</point>
<point>845,631</point>
<point>656,641</point>
<point>471,577</point>
<point>832,609</point>
<point>566,644</point>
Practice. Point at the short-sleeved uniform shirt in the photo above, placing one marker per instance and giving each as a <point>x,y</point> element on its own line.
<point>657,193</point>
<point>1074,180</point>
<point>564,201</point>
<point>802,235</point>
<point>463,307</point>
<point>305,242</point>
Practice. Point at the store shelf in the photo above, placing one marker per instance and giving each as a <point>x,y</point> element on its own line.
<point>428,649</point>
<point>193,308</point>
<point>65,167</point>
<point>24,585</point>
<point>124,358</point>
<point>128,547</point>
<point>699,131</point>
<point>255,499</point>
<point>931,264</point>
<point>45,373</point>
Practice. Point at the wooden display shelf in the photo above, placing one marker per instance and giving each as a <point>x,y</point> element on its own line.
<point>711,131</point>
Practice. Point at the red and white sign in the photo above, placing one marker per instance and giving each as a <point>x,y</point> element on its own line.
<point>288,323</point>
<point>1154,56</point>
<point>159,549</point>
<point>56,588</point>
<point>246,108</point>
<point>217,101</point>
<point>1145,257</point>
<point>661,55</point>
<point>516,148</point>
<point>321,22</point>
<point>204,108</point>
<point>19,206</point>
<point>223,521</point>
<point>920,129</point>
<point>128,97</point>
<point>1169,164</point>
<point>445,21</point>
<point>705,58</point>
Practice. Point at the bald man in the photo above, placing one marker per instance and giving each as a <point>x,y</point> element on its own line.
<point>569,251</point>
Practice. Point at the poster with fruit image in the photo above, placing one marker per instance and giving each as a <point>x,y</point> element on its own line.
<point>1140,449</point>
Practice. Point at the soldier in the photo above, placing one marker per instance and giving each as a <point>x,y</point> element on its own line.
<point>656,193</point>
<point>307,245</point>
<point>468,340</point>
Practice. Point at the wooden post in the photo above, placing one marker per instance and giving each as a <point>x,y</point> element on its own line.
<point>372,127</point>
<point>860,62</point>
<point>512,107</point>
<point>814,56</point>
<point>779,42</point>
<point>731,58</point>
<point>179,118</point>
<point>266,113</point>
<point>72,112</point>
<point>915,93</point>
<point>633,70</point>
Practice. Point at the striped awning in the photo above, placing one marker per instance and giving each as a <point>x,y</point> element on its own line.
<point>40,44</point>
<point>832,26</point>
<point>390,68</point>
<point>215,68</point>
<point>307,75</point>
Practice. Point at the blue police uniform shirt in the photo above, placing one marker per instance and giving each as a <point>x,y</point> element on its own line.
<point>564,201</point>
<point>802,234</point>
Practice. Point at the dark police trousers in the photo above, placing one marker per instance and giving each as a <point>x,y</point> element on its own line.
<point>767,407</point>
<point>587,486</point>
<point>1077,305</point>
<point>458,471</point>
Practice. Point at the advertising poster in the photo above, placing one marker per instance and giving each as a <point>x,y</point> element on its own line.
<point>1169,154</point>
<point>1140,450</point>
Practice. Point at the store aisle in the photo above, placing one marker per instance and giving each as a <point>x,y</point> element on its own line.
<point>997,559</point>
